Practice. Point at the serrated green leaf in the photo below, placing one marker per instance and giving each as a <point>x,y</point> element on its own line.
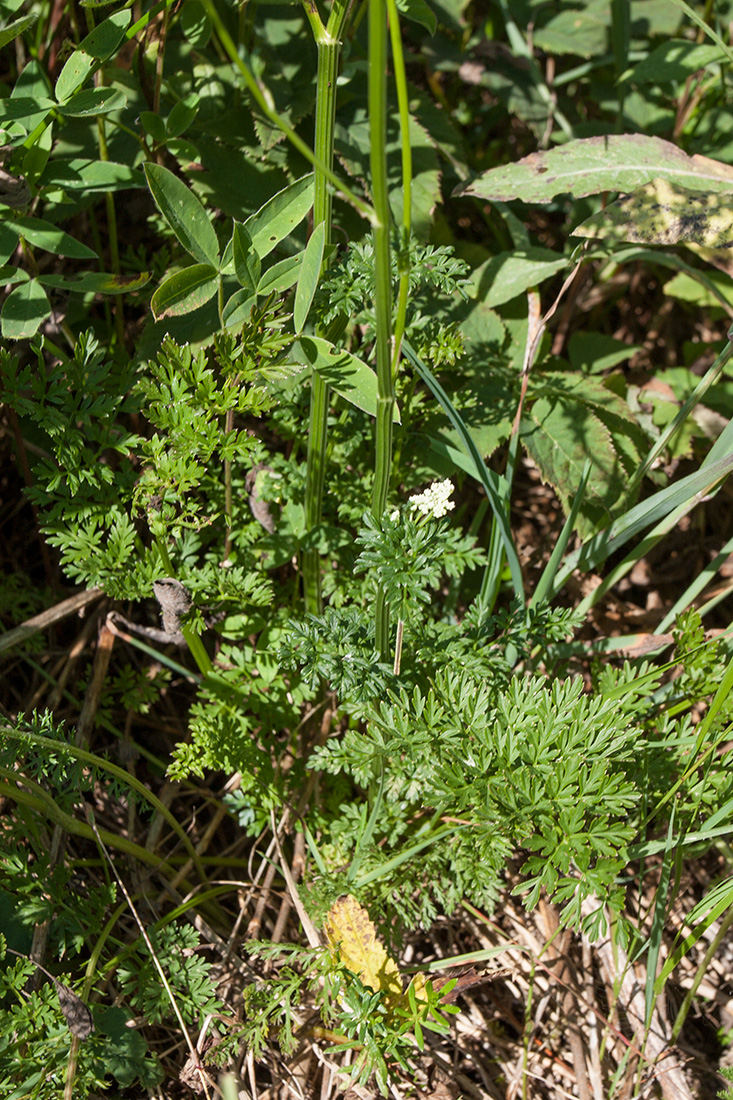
<point>615,162</point>
<point>247,264</point>
<point>185,291</point>
<point>93,101</point>
<point>280,215</point>
<point>24,311</point>
<point>350,377</point>
<point>184,214</point>
<point>310,271</point>
<point>124,1055</point>
<point>559,434</point>
<point>663,213</point>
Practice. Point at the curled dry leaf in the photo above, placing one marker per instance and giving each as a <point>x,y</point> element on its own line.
<point>76,1013</point>
<point>174,602</point>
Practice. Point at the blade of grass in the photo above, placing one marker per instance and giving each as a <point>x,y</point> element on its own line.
<point>391,865</point>
<point>544,584</point>
<point>364,839</point>
<point>709,378</point>
<point>598,548</point>
<point>495,486</point>
<point>659,919</point>
<point>120,774</point>
<point>701,580</point>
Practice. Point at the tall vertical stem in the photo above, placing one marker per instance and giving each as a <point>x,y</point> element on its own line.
<point>383,283</point>
<point>328,43</point>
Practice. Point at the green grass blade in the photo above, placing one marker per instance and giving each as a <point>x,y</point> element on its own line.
<point>495,486</point>
<point>598,548</point>
<point>544,585</point>
<point>658,921</point>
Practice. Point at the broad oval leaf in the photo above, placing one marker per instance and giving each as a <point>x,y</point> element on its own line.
<point>24,311</point>
<point>238,309</point>
<point>350,377</point>
<point>154,125</point>
<point>281,276</point>
<point>75,72</point>
<point>673,60</point>
<point>419,12</point>
<point>280,215</point>
<point>576,31</point>
<point>26,109</point>
<point>93,101</point>
<point>310,271</point>
<point>100,44</point>
<point>45,235</point>
<point>195,24</point>
<point>182,115</point>
<point>11,276</point>
<point>8,241</point>
<point>74,174</point>
<point>185,291</point>
<point>510,273</point>
<point>184,214</point>
<point>616,162</point>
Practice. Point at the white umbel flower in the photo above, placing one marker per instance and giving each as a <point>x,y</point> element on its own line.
<point>435,501</point>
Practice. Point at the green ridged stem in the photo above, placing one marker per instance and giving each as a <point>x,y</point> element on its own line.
<point>383,284</point>
<point>403,106</point>
<point>328,43</point>
<point>264,101</point>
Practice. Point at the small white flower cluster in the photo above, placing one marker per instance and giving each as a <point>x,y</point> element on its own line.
<point>435,500</point>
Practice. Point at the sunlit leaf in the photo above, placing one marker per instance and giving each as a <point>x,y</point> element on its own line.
<point>310,270</point>
<point>349,376</point>
<point>184,214</point>
<point>24,311</point>
<point>352,936</point>
<point>280,215</point>
<point>614,162</point>
<point>664,213</point>
<point>185,291</point>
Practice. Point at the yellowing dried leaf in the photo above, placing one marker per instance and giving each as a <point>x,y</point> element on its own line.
<point>662,212</point>
<point>352,936</point>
